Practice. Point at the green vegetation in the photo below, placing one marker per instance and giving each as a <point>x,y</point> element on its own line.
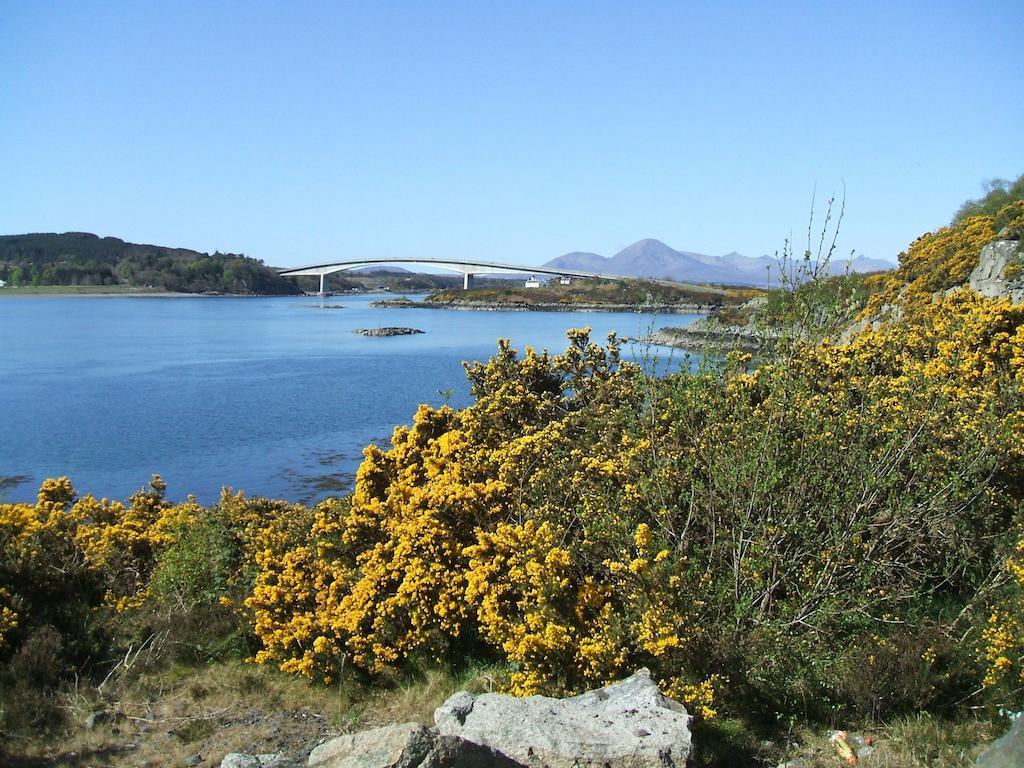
<point>598,291</point>
<point>999,193</point>
<point>76,290</point>
<point>82,259</point>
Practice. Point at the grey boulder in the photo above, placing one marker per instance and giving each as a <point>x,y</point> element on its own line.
<point>392,746</point>
<point>1008,750</point>
<point>409,745</point>
<point>629,724</point>
<point>242,760</point>
<point>989,277</point>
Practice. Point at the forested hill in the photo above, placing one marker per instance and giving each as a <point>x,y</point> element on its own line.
<point>81,258</point>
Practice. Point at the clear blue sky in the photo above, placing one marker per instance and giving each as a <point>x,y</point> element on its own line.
<point>301,131</point>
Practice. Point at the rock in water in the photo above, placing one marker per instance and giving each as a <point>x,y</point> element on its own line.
<point>388,331</point>
<point>629,724</point>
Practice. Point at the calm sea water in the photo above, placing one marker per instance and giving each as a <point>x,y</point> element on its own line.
<point>273,396</point>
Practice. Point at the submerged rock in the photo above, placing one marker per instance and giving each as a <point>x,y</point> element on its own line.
<point>388,331</point>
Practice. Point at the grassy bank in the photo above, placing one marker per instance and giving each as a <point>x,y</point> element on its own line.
<point>615,292</point>
<point>80,290</point>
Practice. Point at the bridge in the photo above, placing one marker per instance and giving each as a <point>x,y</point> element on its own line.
<point>467,268</point>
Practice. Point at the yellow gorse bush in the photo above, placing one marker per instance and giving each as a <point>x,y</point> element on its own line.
<point>1003,637</point>
<point>939,261</point>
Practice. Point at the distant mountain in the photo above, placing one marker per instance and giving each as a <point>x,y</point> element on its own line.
<point>378,268</point>
<point>581,260</point>
<point>81,258</point>
<point>653,259</point>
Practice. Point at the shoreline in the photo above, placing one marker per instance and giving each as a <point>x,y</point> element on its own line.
<point>489,306</point>
<point>51,292</point>
<point>44,294</point>
<point>700,336</point>
<point>84,295</point>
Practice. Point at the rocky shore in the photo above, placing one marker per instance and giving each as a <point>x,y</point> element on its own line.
<point>520,306</point>
<point>705,334</point>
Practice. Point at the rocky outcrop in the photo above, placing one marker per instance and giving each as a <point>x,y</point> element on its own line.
<point>703,335</point>
<point>629,724</point>
<point>388,331</point>
<point>1000,271</point>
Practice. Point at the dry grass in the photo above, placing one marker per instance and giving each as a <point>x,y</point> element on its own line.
<point>166,717</point>
<point>416,701</point>
<point>919,741</point>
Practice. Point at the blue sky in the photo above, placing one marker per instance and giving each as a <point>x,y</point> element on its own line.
<point>299,131</point>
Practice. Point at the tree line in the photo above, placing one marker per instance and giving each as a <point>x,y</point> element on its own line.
<point>81,258</point>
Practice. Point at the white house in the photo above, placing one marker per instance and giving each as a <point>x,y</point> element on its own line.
<point>3,284</point>
<point>565,280</point>
<point>533,282</point>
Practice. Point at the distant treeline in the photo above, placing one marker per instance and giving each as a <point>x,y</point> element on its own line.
<point>81,258</point>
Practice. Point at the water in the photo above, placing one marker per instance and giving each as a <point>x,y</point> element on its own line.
<point>273,396</point>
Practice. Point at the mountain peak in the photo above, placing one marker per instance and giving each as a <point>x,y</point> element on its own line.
<point>651,258</point>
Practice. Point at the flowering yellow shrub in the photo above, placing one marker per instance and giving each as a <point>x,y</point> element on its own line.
<point>1003,637</point>
<point>8,616</point>
<point>65,561</point>
<point>387,577</point>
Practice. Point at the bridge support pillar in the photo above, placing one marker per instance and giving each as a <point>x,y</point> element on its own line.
<point>323,286</point>
<point>467,281</point>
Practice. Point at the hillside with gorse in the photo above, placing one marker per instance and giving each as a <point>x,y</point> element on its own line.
<point>827,531</point>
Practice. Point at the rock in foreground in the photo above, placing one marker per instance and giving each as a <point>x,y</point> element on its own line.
<point>408,745</point>
<point>629,724</point>
<point>273,760</point>
<point>1006,751</point>
<point>388,331</point>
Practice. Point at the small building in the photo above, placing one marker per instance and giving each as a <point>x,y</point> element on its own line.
<point>533,282</point>
<point>3,284</point>
<point>565,280</point>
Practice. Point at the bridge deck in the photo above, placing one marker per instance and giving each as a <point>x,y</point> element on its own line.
<point>462,266</point>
